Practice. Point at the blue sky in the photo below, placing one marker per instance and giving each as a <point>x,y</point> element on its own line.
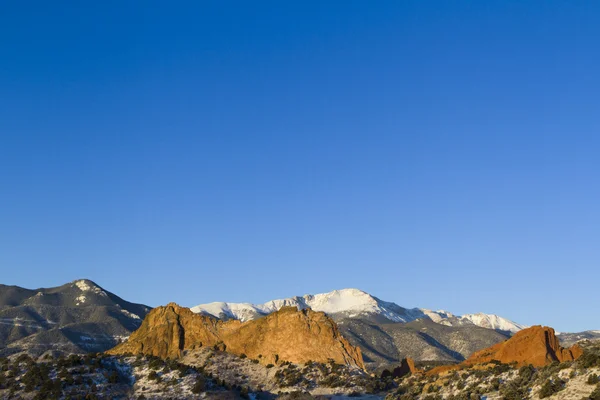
<point>436,154</point>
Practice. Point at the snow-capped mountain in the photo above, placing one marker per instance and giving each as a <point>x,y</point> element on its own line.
<point>347,303</point>
<point>494,322</point>
<point>354,303</point>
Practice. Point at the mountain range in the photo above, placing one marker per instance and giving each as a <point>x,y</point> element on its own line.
<point>355,303</point>
<point>385,331</point>
<point>77,317</point>
<point>81,316</point>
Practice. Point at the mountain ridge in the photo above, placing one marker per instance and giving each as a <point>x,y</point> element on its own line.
<point>77,317</point>
<point>355,303</point>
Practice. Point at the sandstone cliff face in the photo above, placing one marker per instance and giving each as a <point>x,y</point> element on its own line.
<point>286,335</point>
<point>537,345</point>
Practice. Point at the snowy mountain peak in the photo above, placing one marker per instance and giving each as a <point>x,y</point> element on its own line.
<point>354,303</point>
<point>350,301</point>
<point>344,300</point>
<point>492,321</point>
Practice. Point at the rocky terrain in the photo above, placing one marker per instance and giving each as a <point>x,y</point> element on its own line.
<point>385,331</point>
<point>537,346</point>
<point>356,347</point>
<point>209,372</point>
<point>567,380</point>
<point>78,317</point>
<point>292,335</point>
<point>422,340</point>
<point>97,376</point>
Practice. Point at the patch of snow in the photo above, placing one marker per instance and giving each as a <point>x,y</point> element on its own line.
<point>29,323</point>
<point>84,286</point>
<point>130,314</point>
<point>80,299</point>
<point>18,323</point>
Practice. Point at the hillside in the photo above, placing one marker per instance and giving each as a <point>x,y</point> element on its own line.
<point>569,339</point>
<point>422,340</point>
<point>76,317</point>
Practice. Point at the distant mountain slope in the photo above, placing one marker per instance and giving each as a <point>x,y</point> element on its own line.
<point>569,339</point>
<point>423,340</point>
<point>354,303</point>
<point>73,318</point>
<point>489,321</point>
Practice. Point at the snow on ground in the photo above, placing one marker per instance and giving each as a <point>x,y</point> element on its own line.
<point>86,286</point>
<point>29,323</point>
<point>130,314</point>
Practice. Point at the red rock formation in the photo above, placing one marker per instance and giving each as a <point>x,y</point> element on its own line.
<point>406,367</point>
<point>286,335</point>
<point>537,346</point>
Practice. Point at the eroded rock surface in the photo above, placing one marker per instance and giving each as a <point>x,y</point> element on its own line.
<point>537,346</point>
<point>285,335</point>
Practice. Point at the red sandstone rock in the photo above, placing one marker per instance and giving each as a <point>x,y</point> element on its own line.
<point>285,335</point>
<point>537,346</point>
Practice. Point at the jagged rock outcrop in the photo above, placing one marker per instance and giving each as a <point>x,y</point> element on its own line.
<point>537,346</point>
<point>406,367</point>
<point>285,335</point>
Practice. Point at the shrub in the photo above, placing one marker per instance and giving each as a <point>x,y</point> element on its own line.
<point>593,379</point>
<point>589,359</point>
<point>551,387</point>
<point>511,391</point>
<point>183,370</point>
<point>199,385</point>
<point>114,377</point>
<point>595,395</point>
<point>156,363</point>
<point>526,372</point>
<point>153,376</point>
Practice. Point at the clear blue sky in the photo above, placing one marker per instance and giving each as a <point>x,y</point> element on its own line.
<point>436,154</point>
